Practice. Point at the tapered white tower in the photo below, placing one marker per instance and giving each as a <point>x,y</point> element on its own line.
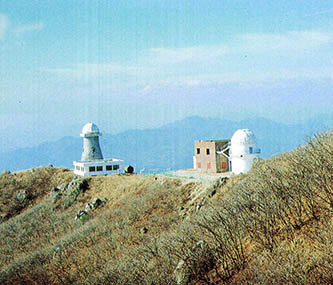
<point>243,150</point>
<point>91,149</point>
<point>92,162</point>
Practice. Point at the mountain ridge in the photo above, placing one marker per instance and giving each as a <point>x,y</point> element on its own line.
<point>273,223</point>
<point>167,147</point>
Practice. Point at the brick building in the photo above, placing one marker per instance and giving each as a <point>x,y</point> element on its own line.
<point>211,156</point>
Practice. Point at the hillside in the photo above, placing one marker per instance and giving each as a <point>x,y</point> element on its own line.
<point>271,226</point>
<point>168,147</point>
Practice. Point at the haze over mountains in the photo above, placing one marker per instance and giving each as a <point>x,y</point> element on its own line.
<point>167,147</point>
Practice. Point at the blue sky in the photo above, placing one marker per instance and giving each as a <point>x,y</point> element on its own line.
<point>138,64</point>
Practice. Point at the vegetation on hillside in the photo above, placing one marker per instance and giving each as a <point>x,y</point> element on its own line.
<point>272,225</point>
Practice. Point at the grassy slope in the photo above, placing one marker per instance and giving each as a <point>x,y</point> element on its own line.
<point>274,223</point>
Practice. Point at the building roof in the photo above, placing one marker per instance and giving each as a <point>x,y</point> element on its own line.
<point>222,141</point>
<point>216,141</point>
<point>98,161</point>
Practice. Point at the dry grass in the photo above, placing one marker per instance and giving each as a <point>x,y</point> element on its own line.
<point>274,223</point>
<point>45,237</point>
<point>34,184</point>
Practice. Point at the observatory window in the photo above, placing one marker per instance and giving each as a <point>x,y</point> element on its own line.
<point>251,149</point>
<point>115,167</point>
<point>208,151</point>
<point>92,168</point>
<point>99,168</point>
<point>198,150</point>
<point>108,167</point>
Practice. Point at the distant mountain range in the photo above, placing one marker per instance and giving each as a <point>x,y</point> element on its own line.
<point>168,147</point>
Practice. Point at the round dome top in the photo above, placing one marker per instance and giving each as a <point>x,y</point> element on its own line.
<point>90,129</point>
<point>243,137</point>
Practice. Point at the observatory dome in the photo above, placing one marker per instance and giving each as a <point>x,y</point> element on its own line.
<point>243,137</point>
<point>243,150</point>
<point>90,129</point>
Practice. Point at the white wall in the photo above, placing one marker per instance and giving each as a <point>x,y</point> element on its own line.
<point>242,164</point>
<point>86,166</point>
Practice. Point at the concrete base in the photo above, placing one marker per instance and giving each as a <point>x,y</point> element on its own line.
<point>195,175</point>
<point>98,167</point>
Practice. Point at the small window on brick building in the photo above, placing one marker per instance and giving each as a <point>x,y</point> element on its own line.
<point>198,150</point>
<point>92,168</point>
<point>199,164</point>
<point>223,164</point>
<point>116,167</point>
<point>99,168</point>
<point>208,165</point>
<point>207,151</point>
<point>108,167</point>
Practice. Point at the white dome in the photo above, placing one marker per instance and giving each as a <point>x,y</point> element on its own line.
<point>243,137</point>
<point>90,129</point>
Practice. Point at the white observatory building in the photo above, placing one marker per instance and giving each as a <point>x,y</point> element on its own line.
<point>221,156</point>
<point>92,162</point>
<point>243,150</point>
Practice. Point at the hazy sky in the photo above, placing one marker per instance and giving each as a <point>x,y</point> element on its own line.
<point>137,64</point>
